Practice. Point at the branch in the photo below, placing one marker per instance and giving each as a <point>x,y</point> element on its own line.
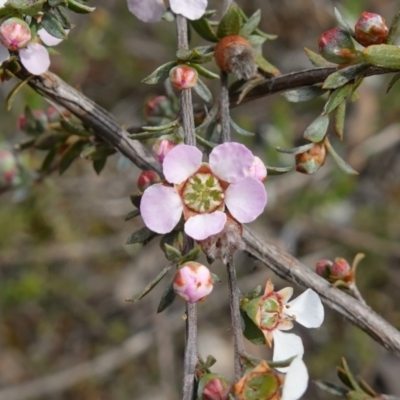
<point>279,261</point>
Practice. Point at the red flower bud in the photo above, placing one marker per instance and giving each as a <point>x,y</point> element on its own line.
<point>371,29</point>
<point>340,268</point>
<point>337,46</point>
<point>323,268</point>
<point>15,33</point>
<point>234,54</point>
<point>216,389</point>
<point>163,146</point>
<point>183,77</point>
<point>156,106</point>
<point>146,179</point>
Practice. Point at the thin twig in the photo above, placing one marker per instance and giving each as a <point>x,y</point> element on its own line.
<point>224,118</point>
<point>356,293</point>
<point>234,301</point>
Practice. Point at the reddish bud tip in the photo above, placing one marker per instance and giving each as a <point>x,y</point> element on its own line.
<point>163,146</point>
<point>146,179</point>
<point>216,389</point>
<point>371,29</point>
<point>322,268</point>
<point>183,77</point>
<point>193,282</point>
<point>337,46</point>
<point>15,34</point>
<point>340,268</point>
<point>235,55</point>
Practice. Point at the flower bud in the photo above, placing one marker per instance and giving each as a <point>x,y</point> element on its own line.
<point>323,268</point>
<point>156,106</point>
<point>234,54</point>
<point>8,167</point>
<point>34,122</point>
<point>146,179</point>
<point>193,282</point>
<point>15,34</point>
<point>258,169</point>
<point>337,46</point>
<point>340,268</point>
<point>183,77</point>
<point>371,29</point>
<point>163,146</point>
<point>216,388</point>
<point>310,161</point>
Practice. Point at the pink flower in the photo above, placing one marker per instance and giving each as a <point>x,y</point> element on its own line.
<point>258,169</point>
<point>193,282</point>
<point>202,191</point>
<point>153,10</point>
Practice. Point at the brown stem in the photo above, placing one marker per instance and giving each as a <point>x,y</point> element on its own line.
<point>224,118</point>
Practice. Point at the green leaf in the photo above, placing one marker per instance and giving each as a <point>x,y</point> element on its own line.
<point>192,255</point>
<point>251,24</point>
<point>55,3</point>
<point>204,72</point>
<point>150,286</point>
<point>249,86</point>
<point>204,142</point>
<point>256,42</point>
<point>332,388</point>
<point>172,254</point>
<point>339,160</point>
<point>48,160</point>
<point>61,18</point>
<point>339,119</point>
<point>256,292</point>
<point>238,129</point>
<point>316,59</point>
<point>215,278</point>
<point>341,77</point>
<point>198,55</point>
<point>258,31</point>
<point>392,82</point>
<point>317,129</point>
<point>99,164</point>
<point>203,91</point>
<point>265,65</point>
<point>337,97</point>
<point>53,26</point>
<point>277,170</point>
<point>251,332</point>
<point>230,23</point>
<point>366,388</point>
<point>135,199</point>
<point>295,150</point>
<point>140,236</point>
<point>148,135</point>
<point>11,96</point>
<point>132,214</point>
<point>70,155</point>
<point>303,94</point>
<point>48,140</point>
<point>160,74</point>
<point>74,129</point>
<point>165,127</point>
<point>28,7</point>
<point>353,382</point>
<point>383,55</point>
<point>393,29</point>
<point>79,8</point>
<point>167,297</point>
<point>203,29</point>
<point>343,25</point>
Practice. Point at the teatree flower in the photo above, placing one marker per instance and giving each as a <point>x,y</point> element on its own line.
<point>274,313</point>
<point>203,191</point>
<point>263,383</point>
<point>153,10</point>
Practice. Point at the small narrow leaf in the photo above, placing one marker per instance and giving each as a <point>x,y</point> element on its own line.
<point>337,97</point>
<point>132,214</point>
<point>341,77</point>
<point>204,72</point>
<point>135,199</point>
<point>332,388</point>
<point>79,8</point>
<point>160,74</point>
<point>238,129</point>
<point>203,91</point>
<point>172,254</point>
<point>70,155</point>
<point>383,55</point>
<point>192,255</point>
<point>258,31</point>
<point>204,142</point>
<point>167,297</point>
<point>317,129</point>
<point>296,150</point>
<point>74,129</point>
<point>316,59</point>
<point>339,119</point>
<point>265,65</point>
<point>342,22</point>
<point>339,160</point>
<point>203,29</point>
<point>150,286</point>
<point>278,170</point>
<point>215,278</point>
<point>140,236</point>
<point>148,135</point>
<point>256,292</point>
<point>248,86</point>
<point>14,91</point>
<point>393,29</point>
<point>392,82</point>
<point>256,42</point>
<point>48,160</point>
<point>303,94</point>
<point>350,376</point>
<point>230,23</point>
<point>251,332</point>
<point>251,24</point>
<point>53,26</point>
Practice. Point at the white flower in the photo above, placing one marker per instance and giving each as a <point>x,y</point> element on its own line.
<point>296,380</point>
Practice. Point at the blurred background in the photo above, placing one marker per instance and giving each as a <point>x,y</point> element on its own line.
<point>66,331</point>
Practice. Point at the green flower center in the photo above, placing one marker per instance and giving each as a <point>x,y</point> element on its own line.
<point>270,312</point>
<point>203,193</point>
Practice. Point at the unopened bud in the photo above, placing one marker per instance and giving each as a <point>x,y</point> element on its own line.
<point>193,282</point>
<point>340,268</point>
<point>310,161</point>
<point>258,169</point>
<point>323,268</point>
<point>183,77</point>
<point>371,29</point>
<point>8,167</point>
<point>157,107</point>
<point>216,388</point>
<point>36,122</point>
<point>163,146</point>
<point>15,34</point>
<point>235,55</point>
<point>146,179</point>
<point>337,46</point>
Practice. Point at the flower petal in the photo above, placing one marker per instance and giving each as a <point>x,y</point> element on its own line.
<point>4,54</point>
<point>307,309</point>
<point>286,345</point>
<point>35,58</point>
<point>147,10</point>
<point>246,199</point>
<point>181,162</point>
<point>231,161</point>
<point>191,9</point>
<point>285,294</point>
<point>202,226</point>
<point>296,380</point>
<point>48,39</point>
<point>161,208</point>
